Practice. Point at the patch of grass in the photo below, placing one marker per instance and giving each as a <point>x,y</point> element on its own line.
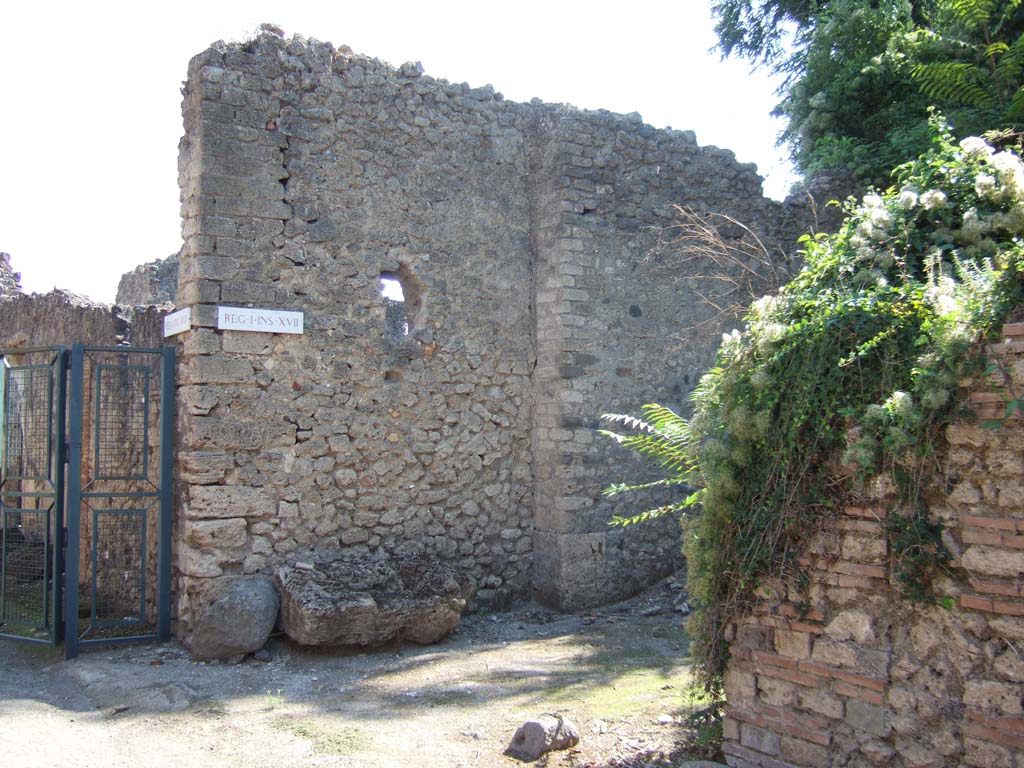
<point>326,738</point>
<point>625,693</point>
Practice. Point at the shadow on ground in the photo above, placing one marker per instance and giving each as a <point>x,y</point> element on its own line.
<point>620,672</point>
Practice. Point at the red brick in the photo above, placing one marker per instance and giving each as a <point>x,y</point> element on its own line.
<point>1007,608</point>
<point>814,668</point>
<point>864,526</point>
<point>995,587</point>
<point>976,603</point>
<point>869,512</point>
<point>802,719</point>
<point>856,692</point>
<point>788,609</point>
<point>771,658</point>
<point>745,716</point>
<point>1013,542</point>
<point>1002,523</point>
<point>859,569</point>
<point>821,738</point>
<point>1013,329</point>
<point>973,536</point>
<point>979,731</point>
<point>791,676</point>
<point>1015,724</point>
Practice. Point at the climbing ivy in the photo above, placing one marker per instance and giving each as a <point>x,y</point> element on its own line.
<point>847,373</point>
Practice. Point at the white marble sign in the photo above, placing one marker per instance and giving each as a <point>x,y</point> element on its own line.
<point>177,322</point>
<point>259,320</point>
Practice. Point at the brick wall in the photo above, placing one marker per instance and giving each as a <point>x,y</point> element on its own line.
<point>860,677</point>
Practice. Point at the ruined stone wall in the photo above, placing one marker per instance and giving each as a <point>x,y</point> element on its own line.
<point>10,281</point>
<point>61,318</point>
<point>861,677</point>
<point>520,234</point>
<point>148,284</point>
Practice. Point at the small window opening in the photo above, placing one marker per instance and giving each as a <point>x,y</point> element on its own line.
<point>396,321</point>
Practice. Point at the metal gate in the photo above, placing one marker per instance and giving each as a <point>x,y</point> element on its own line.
<point>85,494</point>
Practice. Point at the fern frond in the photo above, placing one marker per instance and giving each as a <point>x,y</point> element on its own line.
<point>692,500</point>
<point>996,49</point>
<point>618,488</point>
<point>671,455</point>
<point>970,14</point>
<point>630,421</point>
<point>1015,111</point>
<point>665,419</point>
<point>953,83</point>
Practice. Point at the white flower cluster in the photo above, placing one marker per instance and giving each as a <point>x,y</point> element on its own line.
<point>933,199</point>
<point>1002,181</point>
<point>875,221</point>
<point>900,404</point>
<point>732,343</point>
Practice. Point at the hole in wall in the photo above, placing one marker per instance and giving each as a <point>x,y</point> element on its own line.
<point>396,320</point>
<point>401,293</point>
<point>392,377</point>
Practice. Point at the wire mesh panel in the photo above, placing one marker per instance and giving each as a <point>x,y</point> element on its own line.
<point>31,491</point>
<point>25,566</point>
<point>119,514</point>
<point>119,567</point>
<point>122,422</point>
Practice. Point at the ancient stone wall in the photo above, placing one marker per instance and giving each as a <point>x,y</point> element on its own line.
<point>63,318</point>
<point>459,421</point>
<point>10,281</point>
<point>149,284</point>
<point>858,676</point>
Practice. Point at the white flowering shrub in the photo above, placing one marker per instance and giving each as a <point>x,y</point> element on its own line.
<point>858,357</point>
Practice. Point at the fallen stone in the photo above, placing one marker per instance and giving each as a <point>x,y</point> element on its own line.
<point>352,599</point>
<point>238,620</point>
<point>545,734</point>
<point>110,687</point>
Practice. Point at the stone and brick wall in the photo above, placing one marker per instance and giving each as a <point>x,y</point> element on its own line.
<point>861,677</point>
<point>521,234</point>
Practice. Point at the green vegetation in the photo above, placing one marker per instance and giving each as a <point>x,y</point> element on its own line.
<point>848,372</point>
<point>860,76</point>
<point>326,738</point>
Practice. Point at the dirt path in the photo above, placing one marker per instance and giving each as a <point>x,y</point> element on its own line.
<point>620,673</point>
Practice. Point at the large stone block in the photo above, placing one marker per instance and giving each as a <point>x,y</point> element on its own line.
<point>994,561</point>
<point>225,501</point>
<point>367,601</point>
<point>237,621</point>
<point>217,535</point>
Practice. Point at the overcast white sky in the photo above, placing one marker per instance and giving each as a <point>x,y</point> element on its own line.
<point>90,99</point>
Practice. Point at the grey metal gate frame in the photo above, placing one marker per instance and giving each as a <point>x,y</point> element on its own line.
<point>102,508</point>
